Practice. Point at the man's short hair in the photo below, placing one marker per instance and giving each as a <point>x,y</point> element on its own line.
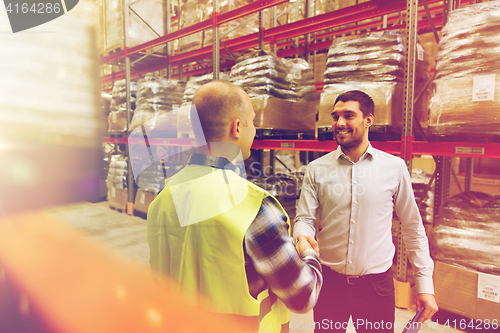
<point>218,107</point>
<point>366,104</point>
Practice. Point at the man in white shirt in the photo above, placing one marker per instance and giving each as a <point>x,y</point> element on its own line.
<point>347,202</point>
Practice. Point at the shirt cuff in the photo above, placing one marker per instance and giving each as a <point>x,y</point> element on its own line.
<point>424,285</point>
<point>309,253</point>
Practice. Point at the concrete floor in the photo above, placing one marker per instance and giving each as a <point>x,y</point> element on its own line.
<point>127,234</point>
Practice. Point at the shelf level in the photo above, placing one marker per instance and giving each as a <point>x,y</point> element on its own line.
<point>460,149</point>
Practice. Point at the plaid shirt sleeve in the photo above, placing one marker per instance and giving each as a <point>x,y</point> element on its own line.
<point>273,262</point>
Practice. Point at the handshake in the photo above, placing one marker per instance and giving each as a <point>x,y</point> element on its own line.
<point>306,242</point>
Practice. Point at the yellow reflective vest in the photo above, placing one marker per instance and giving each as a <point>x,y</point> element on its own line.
<point>196,228</point>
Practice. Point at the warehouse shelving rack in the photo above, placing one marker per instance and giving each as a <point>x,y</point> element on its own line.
<point>383,15</point>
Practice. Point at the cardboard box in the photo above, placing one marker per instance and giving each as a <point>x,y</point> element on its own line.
<point>428,42</point>
<point>452,108</point>
<point>143,199</point>
<point>320,66</point>
<point>117,121</point>
<point>281,114</point>
<point>456,290</point>
<point>482,183</point>
<point>117,198</point>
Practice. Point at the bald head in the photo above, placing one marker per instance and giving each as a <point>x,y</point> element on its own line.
<point>218,103</point>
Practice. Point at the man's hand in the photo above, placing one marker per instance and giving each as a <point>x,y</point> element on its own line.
<point>306,242</point>
<point>428,302</point>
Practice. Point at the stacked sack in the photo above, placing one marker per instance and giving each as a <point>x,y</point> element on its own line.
<point>156,98</point>
<point>424,194</point>
<point>117,182</point>
<point>301,80</point>
<point>373,63</point>
<point>467,231</point>
<point>184,127</point>
<point>150,182</point>
<point>467,87</point>
<point>282,91</point>
<point>117,118</point>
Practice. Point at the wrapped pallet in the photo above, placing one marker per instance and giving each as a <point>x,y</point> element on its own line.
<point>467,230</point>
<point>150,182</point>
<point>156,98</point>
<point>281,92</point>
<point>373,63</point>
<point>117,117</point>
<point>466,96</point>
<point>195,11</point>
<point>145,22</point>
<point>117,182</point>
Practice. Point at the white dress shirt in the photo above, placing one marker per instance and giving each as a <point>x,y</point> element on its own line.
<point>354,203</point>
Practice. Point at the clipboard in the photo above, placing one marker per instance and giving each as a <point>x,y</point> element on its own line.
<point>412,327</point>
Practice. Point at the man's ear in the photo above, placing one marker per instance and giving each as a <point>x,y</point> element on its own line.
<point>369,120</point>
<point>234,128</point>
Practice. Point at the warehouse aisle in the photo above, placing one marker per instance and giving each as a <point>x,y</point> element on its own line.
<point>127,235</point>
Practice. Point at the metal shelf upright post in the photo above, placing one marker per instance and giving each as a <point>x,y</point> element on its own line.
<point>168,28</point>
<point>403,288</point>
<point>130,175</point>
<point>216,44</point>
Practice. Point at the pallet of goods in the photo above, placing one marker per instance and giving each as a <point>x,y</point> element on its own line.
<point>464,244</point>
<point>373,63</point>
<point>466,99</point>
<point>282,92</point>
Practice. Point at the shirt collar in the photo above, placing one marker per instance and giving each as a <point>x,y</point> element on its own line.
<point>212,161</point>
<point>370,151</point>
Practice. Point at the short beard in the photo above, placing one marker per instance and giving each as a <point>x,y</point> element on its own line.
<point>355,143</point>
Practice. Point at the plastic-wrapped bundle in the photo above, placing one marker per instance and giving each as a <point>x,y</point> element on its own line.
<point>265,74</point>
<point>301,78</point>
<point>272,84</point>
<point>119,95</point>
<point>424,194</point>
<point>467,94</point>
<point>260,64</point>
<point>150,11</point>
<point>151,179</point>
<point>375,57</point>
<point>452,109</point>
<point>470,42</point>
<point>191,13</point>
<point>467,231</point>
<point>156,96</point>
<point>248,28</point>
<point>117,118</point>
<point>117,176</point>
<point>195,82</point>
<point>195,11</point>
<point>373,63</point>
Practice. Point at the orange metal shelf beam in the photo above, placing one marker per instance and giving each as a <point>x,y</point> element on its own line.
<point>463,149</point>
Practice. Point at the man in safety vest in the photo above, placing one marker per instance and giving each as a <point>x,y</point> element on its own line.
<point>223,242</point>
